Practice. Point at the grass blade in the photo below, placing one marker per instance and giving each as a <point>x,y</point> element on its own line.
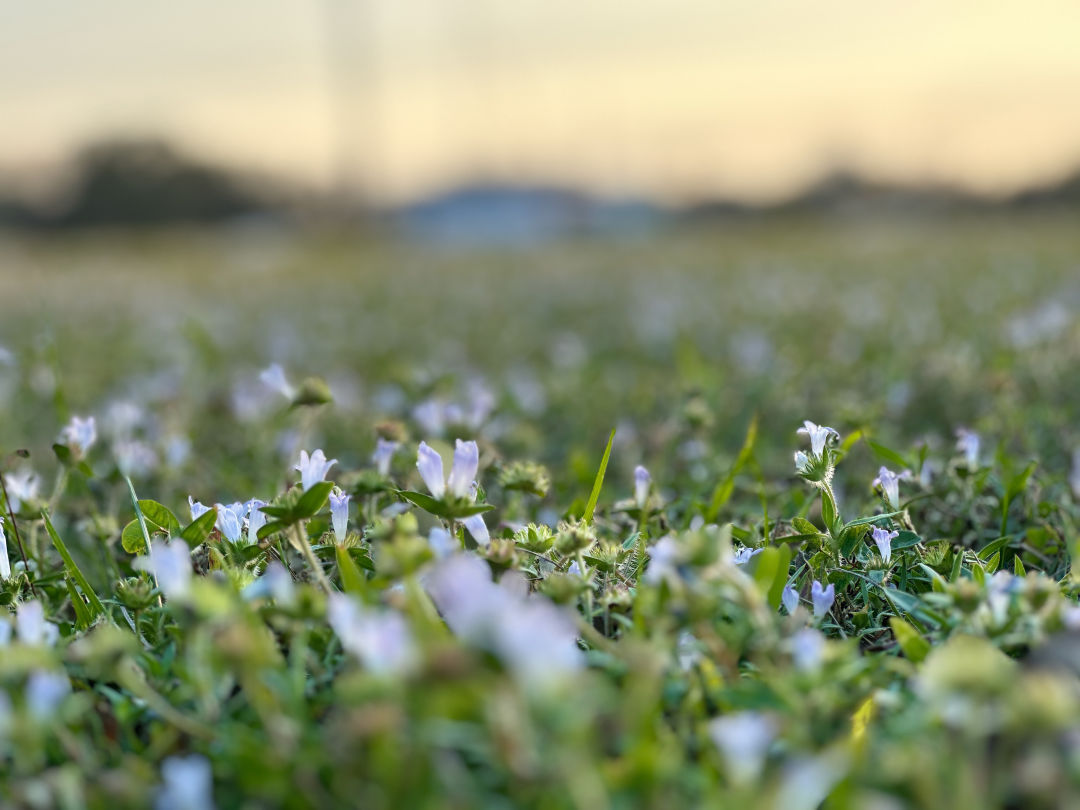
<point>590,507</point>
<point>96,608</point>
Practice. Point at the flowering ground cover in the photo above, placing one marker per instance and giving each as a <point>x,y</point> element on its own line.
<point>779,517</point>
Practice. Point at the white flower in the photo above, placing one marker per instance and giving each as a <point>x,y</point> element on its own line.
<point>642,482</point>
<point>790,599</point>
<point>462,473</point>
<point>273,376</point>
<point>339,513</point>
<point>197,509</point>
<point>31,627</point>
<point>822,597</point>
<point>256,518</point>
<point>22,485</point>
<point>663,558</point>
<point>744,555</point>
<point>803,465</point>
<point>313,468</point>
<point>574,569</point>
<point>45,691</point>
<point>968,442</point>
<point>5,563</point>
<point>275,583</point>
<point>187,784</point>
<point>819,437</point>
<point>383,455</point>
<point>807,647</point>
<point>79,434</point>
<point>744,739</point>
<point>170,563</point>
<point>381,639</point>
<point>230,520</point>
<point>889,482</point>
<point>442,542</point>
<point>883,538</point>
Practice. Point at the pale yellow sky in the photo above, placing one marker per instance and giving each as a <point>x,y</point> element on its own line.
<point>674,98</point>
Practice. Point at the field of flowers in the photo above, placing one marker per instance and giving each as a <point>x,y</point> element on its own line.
<point>778,516</point>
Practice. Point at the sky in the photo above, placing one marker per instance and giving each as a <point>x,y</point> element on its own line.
<point>674,99</point>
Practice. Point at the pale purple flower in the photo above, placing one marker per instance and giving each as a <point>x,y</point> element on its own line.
<point>79,434</point>
<point>574,569</point>
<point>883,538</point>
<point>187,784</point>
<point>313,468</point>
<point>442,543</point>
<point>45,691</point>
<point>968,442</point>
<point>743,555</point>
<point>819,437</point>
<point>802,463</point>
<point>663,559</point>
<point>383,455</point>
<point>22,485</point>
<point>822,597</point>
<point>273,376</point>
<point>170,563</point>
<point>790,598</point>
<point>275,583</point>
<point>197,509</point>
<point>230,520</point>
<point>744,739</point>
<point>463,471</point>
<point>477,528</point>
<point>889,483</point>
<point>642,482</point>
<point>430,465</point>
<point>256,518</point>
<point>381,639</point>
<point>31,627</point>
<point>5,563</point>
<point>431,416</point>
<point>807,648</point>
<point>339,513</point>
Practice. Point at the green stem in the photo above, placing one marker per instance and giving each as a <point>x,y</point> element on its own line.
<point>313,561</point>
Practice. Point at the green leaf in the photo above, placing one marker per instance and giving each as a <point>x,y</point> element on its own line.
<point>901,600</point>
<point>987,551</point>
<point>352,581</point>
<point>776,591</point>
<point>904,540</point>
<point>598,482</point>
<point>132,538</point>
<point>198,530</point>
<point>914,646</point>
<point>804,526</point>
<point>723,490</point>
<point>160,516</point>
<point>96,608</point>
<point>82,615</point>
<point>312,501</point>
<point>763,568</point>
<point>272,527</point>
<point>888,455</point>
<point>442,509</point>
<point>1018,567</point>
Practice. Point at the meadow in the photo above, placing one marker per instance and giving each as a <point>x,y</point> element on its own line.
<point>773,514</point>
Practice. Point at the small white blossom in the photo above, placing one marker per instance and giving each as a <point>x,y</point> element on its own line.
<point>744,739</point>
<point>803,465</point>
<point>22,485</point>
<point>31,627</point>
<point>339,513</point>
<point>442,543</point>
<point>477,528</point>
<point>642,483</point>
<point>313,468</point>
<point>79,434</point>
<point>273,376</point>
<point>256,518</point>
<point>462,474</point>
<point>662,561</point>
<point>819,437</point>
<point>790,598</point>
<point>230,520</point>
<point>743,555</point>
<point>5,563</point>
<point>430,465</point>
<point>381,639</point>
<point>822,597</point>
<point>968,443</point>
<point>197,509</point>
<point>170,563</point>
<point>383,455</point>
<point>883,538</point>
<point>187,784</point>
<point>889,483</point>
